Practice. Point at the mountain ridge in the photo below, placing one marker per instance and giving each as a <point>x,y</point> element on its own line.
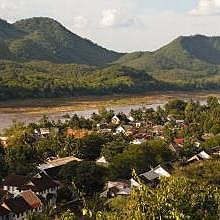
<point>42,38</point>
<point>41,58</point>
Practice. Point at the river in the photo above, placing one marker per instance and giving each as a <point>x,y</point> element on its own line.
<point>6,119</point>
<point>27,114</point>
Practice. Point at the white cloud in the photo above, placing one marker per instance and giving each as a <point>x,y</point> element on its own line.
<point>206,7</point>
<point>80,22</point>
<point>115,18</point>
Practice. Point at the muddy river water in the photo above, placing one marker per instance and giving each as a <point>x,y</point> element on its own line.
<point>26,113</point>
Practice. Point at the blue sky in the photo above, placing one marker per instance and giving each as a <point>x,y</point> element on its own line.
<point>123,25</point>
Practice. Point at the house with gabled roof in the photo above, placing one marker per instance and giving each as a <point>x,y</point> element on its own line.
<point>119,187</point>
<point>152,176</point>
<point>115,120</point>
<point>40,184</point>
<point>19,207</point>
<point>200,156</point>
<point>125,129</point>
<point>102,161</point>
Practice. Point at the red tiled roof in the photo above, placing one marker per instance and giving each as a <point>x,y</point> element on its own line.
<point>179,140</point>
<point>31,199</point>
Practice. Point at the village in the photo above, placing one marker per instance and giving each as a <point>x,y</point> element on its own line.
<point>55,167</point>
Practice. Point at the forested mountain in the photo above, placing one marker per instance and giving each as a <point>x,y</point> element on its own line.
<point>184,59</point>
<point>41,58</point>
<point>46,39</point>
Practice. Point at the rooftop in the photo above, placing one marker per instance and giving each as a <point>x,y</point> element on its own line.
<point>57,162</point>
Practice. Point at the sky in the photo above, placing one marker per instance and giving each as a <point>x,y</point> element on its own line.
<point>123,25</point>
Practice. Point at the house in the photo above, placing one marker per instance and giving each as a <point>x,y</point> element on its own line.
<point>216,151</point>
<point>4,141</point>
<point>42,132</point>
<point>138,124</point>
<point>143,135</point>
<point>21,206</point>
<point>154,175</point>
<point>138,141</point>
<point>77,133</point>
<point>40,184</point>
<point>115,120</point>
<point>170,118</point>
<point>157,129</point>
<point>200,156</point>
<point>52,167</point>
<point>180,122</point>
<point>120,187</point>
<point>57,162</point>
<point>179,141</point>
<point>120,129</point>
<point>102,161</point>
<point>130,118</point>
<point>103,128</point>
<point>125,129</point>
<point>134,183</point>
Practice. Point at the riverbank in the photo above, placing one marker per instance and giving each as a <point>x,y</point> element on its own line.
<point>54,105</point>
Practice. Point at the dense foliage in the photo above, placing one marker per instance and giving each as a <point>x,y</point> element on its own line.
<point>191,191</point>
<point>47,60</point>
<point>45,39</point>
<point>43,79</point>
<point>187,62</point>
<point>174,198</point>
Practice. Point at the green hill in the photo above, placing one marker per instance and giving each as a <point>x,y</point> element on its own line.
<point>46,39</point>
<point>41,58</point>
<point>184,59</point>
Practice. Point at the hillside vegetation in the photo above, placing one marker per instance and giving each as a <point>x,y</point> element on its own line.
<point>46,39</point>
<point>41,58</point>
<point>44,79</point>
<point>185,60</point>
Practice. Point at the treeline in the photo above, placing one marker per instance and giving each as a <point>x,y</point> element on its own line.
<point>42,79</point>
<point>45,80</point>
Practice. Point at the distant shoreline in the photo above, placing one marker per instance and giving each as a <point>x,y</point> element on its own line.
<point>53,105</point>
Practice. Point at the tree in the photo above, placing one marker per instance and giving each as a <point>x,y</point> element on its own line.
<point>207,171</point>
<point>113,148</point>
<point>174,198</point>
<point>88,177</point>
<point>212,102</point>
<point>22,159</point>
<point>141,158</point>
<point>176,107</point>
<point>90,147</point>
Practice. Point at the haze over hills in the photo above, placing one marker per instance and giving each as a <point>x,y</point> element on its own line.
<point>41,58</point>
